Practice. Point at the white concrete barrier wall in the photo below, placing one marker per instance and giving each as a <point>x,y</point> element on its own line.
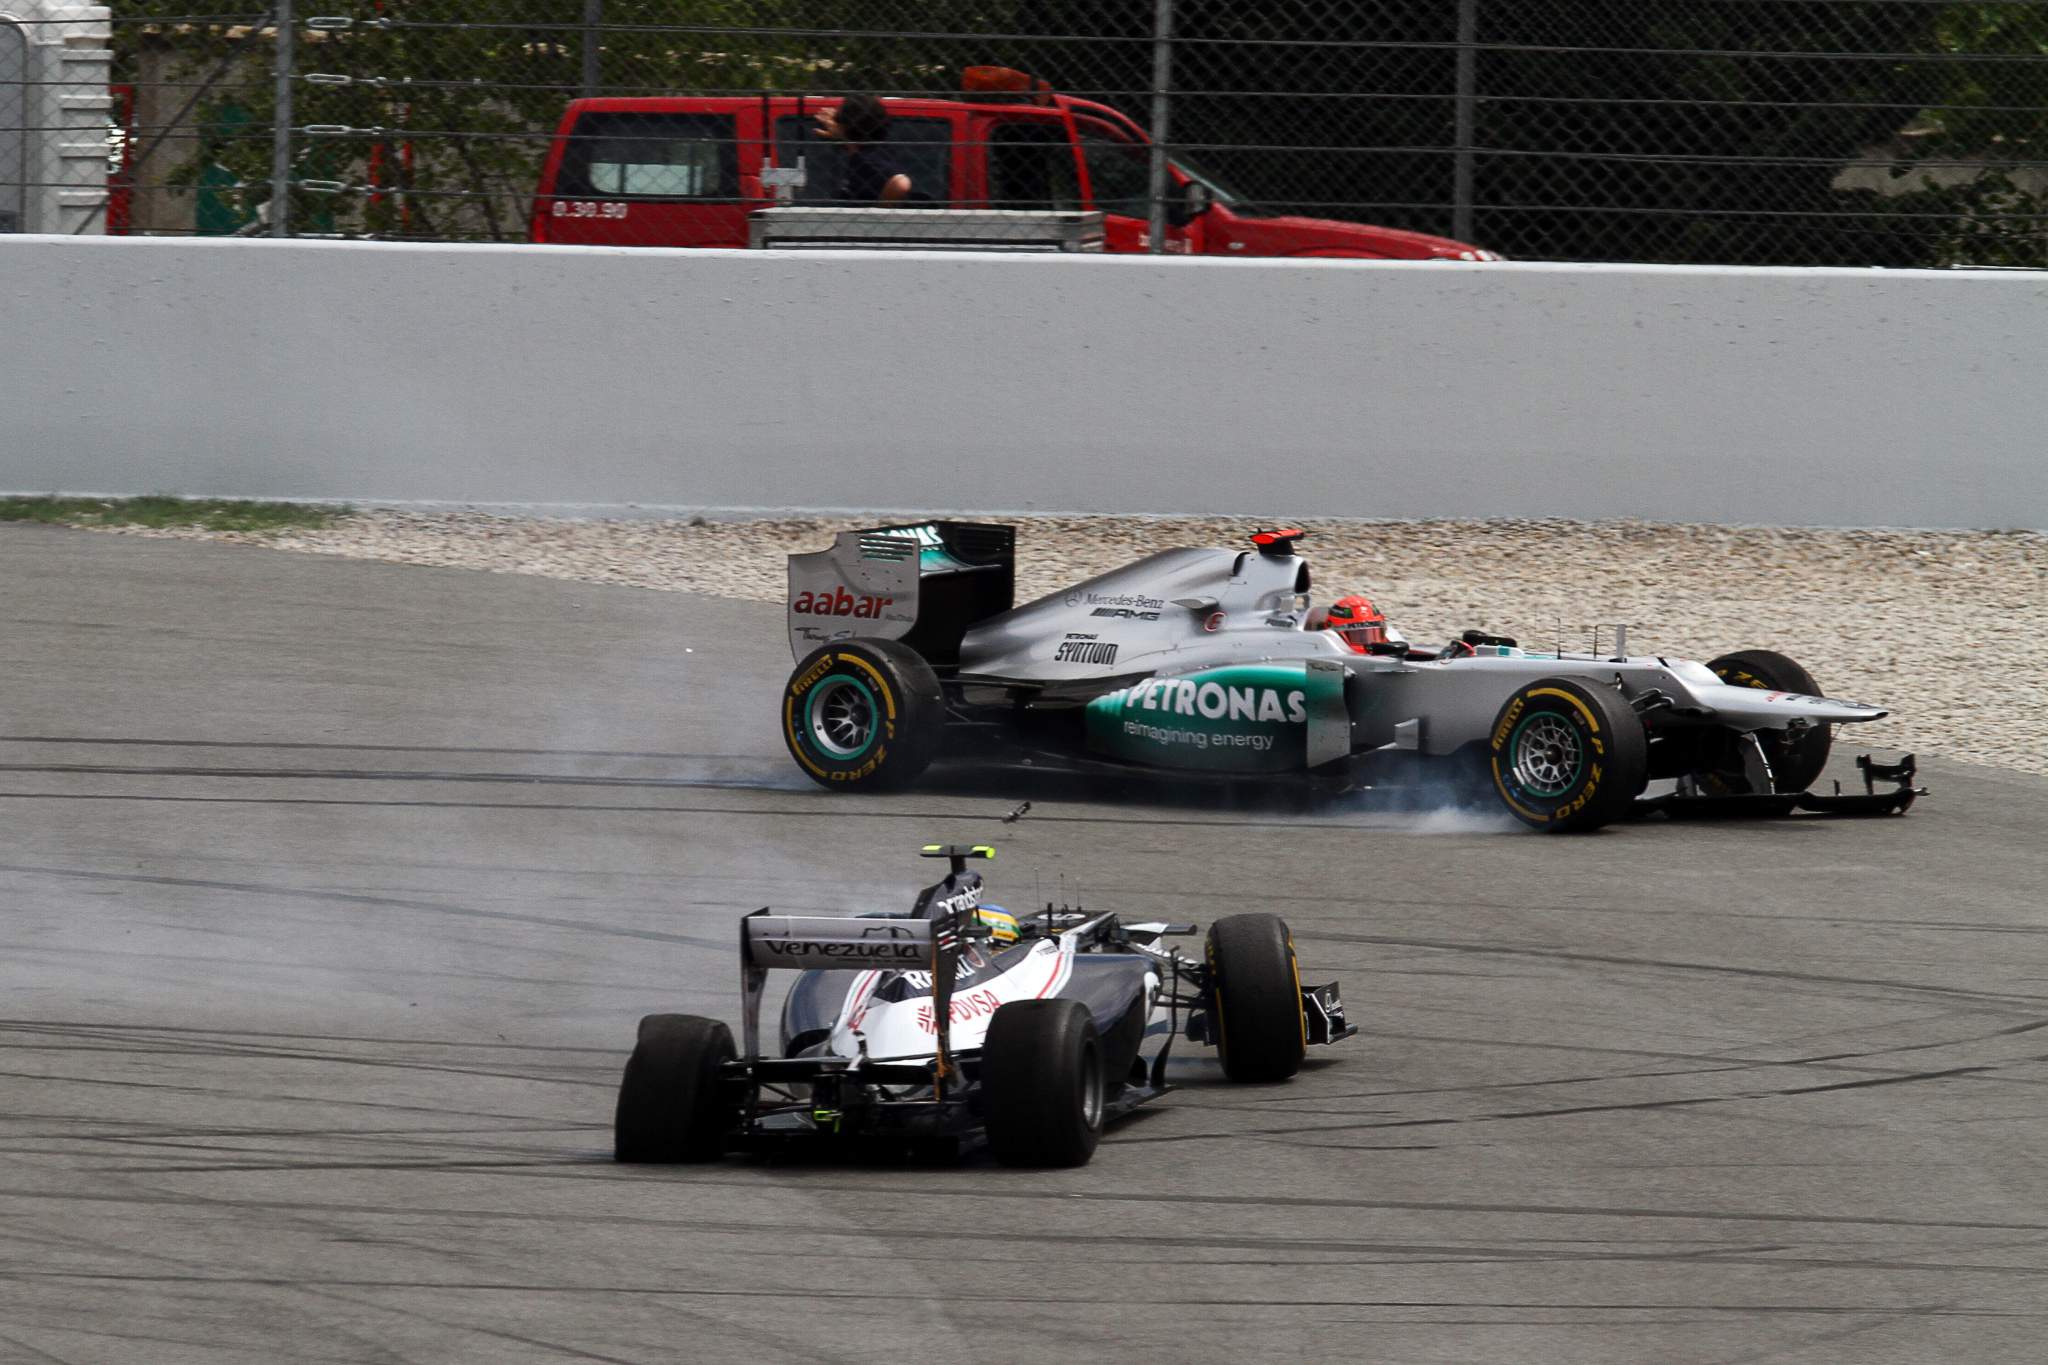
<point>724,380</point>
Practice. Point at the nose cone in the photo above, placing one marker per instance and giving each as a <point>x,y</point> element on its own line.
<point>1756,708</point>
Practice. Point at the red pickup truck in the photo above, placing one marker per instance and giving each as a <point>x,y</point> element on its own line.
<point>687,170</point>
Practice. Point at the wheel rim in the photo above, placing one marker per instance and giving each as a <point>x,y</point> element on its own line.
<point>842,717</point>
<point>1091,1090</point>
<point>1547,755</point>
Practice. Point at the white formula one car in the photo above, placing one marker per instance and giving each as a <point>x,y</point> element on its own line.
<point>1211,661</point>
<point>958,1020</point>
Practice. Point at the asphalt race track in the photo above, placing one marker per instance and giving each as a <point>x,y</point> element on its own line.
<point>330,892</point>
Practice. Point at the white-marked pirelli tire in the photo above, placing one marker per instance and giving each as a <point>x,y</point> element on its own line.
<point>1255,996</point>
<point>672,1104</point>
<point>1567,756</point>
<point>1796,760</point>
<point>1042,1083</point>
<point>863,715</point>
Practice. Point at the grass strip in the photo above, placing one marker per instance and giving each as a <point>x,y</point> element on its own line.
<point>164,511</point>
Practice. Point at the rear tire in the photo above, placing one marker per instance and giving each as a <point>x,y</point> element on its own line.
<point>863,715</point>
<point>1797,761</point>
<point>1042,1083</point>
<point>672,1105</point>
<point>1566,756</point>
<point>1255,997</point>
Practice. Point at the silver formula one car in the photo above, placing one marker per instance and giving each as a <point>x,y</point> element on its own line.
<point>959,1020</point>
<point>1210,661</point>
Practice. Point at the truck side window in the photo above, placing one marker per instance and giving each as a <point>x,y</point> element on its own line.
<point>1031,166</point>
<point>923,148</point>
<point>651,156</point>
<point>1120,173</point>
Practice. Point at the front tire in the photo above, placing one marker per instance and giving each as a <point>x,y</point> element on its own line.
<point>1042,1083</point>
<point>1566,756</point>
<point>1797,761</point>
<point>672,1105</point>
<point>1255,997</point>
<point>863,715</point>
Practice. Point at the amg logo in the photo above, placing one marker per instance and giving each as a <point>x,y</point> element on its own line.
<point>1125,614</point>
<point>873,950</point>
<point>839,603</point>
<point>1085,652</point>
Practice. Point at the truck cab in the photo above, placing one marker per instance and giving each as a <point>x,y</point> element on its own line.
<point>688,171</point>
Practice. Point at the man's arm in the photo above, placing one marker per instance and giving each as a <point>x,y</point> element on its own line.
<point>895,189</point>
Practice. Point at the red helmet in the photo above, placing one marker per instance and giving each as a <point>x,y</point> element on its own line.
<point>1362,624</point>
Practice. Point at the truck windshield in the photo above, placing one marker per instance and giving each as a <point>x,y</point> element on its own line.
<point>1221,192</point>
<point>1121,172</point>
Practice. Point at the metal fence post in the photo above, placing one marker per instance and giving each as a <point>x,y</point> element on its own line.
<point>1465,136</point>
<point>1162,82</point>
<point>593,23</point>
<point>281,129</point>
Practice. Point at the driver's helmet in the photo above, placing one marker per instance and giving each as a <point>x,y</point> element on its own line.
<point>1000,923</point>
<point>1361,624</point>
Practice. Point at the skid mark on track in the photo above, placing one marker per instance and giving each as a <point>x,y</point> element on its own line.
<point>1474,899</point>
<point>1456,1207</point>
<point>98,1028</point>
<point>729,783</point>
<point>1713,1063</point>
<point>1566,1111</point>
<point>330,747</point>
<point>231,965</point>
<point>29,1352</point>
<point>228,1093</point>
<point>448,908</point>
<point>567,1352</point>
<point>823,807</point>
<point>1117,1300</point>
<point>945,1246</point>
<point>578,1076</point>
<point>1672,965</point>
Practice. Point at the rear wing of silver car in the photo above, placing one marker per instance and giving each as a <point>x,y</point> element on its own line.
<point>923,584</point>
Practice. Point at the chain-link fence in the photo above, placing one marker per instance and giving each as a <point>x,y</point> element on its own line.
<point>1860,132</point>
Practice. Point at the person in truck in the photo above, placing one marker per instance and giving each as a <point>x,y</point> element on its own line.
<point>870,173</point>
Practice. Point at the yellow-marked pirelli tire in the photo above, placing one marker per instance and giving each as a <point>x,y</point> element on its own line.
<point>1255,996</point>
<point>1796,760</point>
<point>863,715</point>
<point>1567,756</point>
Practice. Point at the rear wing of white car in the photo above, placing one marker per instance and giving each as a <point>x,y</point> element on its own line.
<point>813,943</point>
<point>923,584</point>
<point>835,943</point>
<point>928,940</point>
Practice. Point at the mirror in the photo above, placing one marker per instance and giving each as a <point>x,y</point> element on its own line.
<point>1192,204</point>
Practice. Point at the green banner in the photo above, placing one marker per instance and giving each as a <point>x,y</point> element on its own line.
<point>1250,718</point>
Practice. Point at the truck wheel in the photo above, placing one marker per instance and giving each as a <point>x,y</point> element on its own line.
<point>863,715</point>
<point>1255,998</point>
<point>1567,756</point>
<point>1042,1083</point>
<point>672,1104</point>
<point>1797,761</point>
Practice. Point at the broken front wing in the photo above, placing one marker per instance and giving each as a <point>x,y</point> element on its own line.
<point>1870,801</point>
